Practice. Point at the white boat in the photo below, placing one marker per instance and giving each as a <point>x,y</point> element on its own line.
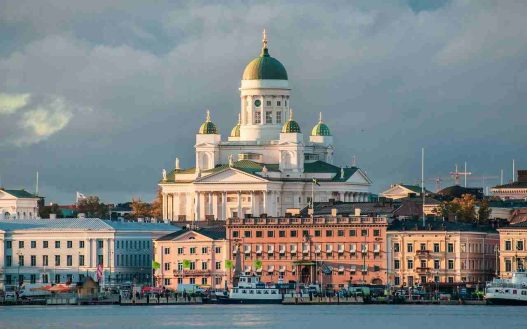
<point>250,290</point>
<point>508,291</point>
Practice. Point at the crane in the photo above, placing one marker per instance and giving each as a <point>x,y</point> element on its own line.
<point>456,174</point>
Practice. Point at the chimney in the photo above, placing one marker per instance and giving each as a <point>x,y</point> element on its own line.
<point>357,211</point>
<point>522,176</point>
<point>52,216</point>
<point>334,212</point>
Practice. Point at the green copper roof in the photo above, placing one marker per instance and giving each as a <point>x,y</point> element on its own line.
<point>264,66</point>
<point>321,129</point>
<point>291,126</point>
<point>207,127</point>
<point>20,193</point>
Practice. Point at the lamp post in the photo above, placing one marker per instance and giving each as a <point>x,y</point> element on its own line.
<point>19,253</point>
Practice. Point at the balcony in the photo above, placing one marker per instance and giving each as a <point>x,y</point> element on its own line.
<point>422,269</point>
<point>423,253</point>
<point>193,272</point>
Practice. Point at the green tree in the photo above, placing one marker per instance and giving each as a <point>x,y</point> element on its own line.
<point>140,209</point>
<point>156,209</point>
<point>92,207</point>
<point>54,208</point>
<point>484,212</point>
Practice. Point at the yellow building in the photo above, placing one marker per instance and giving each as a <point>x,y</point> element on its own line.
<point>192,257</point>
<point>443,252</point>
<point>512,251</point>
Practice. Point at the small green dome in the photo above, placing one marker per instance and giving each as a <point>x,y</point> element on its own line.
<point>235,132</point>
<point>320,129</point>
<point>207,127</point>
<point>291,126</point>
<point>264,67</point>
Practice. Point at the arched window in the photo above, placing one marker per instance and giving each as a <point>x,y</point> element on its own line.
<point>205,161</point>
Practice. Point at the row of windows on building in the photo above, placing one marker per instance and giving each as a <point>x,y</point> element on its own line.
<point>192,266</point>
<point>45,260</point>
<point>476,264</point>
<point>329,248</point>
<point>306,233</point>
<point>450,247</point>
<point>132,244</point>
<point>126,260</point>
<point>519,245</point>
<point>203,281</point>
<point>268,117</point>
<point>520,265</point>
<point>410,280</point>
<point>192,250</point>
<point>44,278</point>
<point>45,244</point>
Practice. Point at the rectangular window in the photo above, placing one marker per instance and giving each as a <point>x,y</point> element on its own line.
<point>508,245</point>
<point>167,266</point>
<point>340,232</point>
<point>180,266</point>
<point>422,246</point>
<point>235,234</point>
<point>281,234</point>
<point>81,244</point>
<point>450,279</point>
<point>33,278</point>
<point>21,260</point>
<point>8,261</point>
<point>257,117</point>
<point>279,117</point>
<point>45,244</point>
<point>364,233</point>
<point>218,265</point>
<point>20,244</point>
<point>204,281</point>
<point>100,244</point>
<point>519,245</point>
<point>57,244</point>
<point>167,282</point>
<point>270,234</point>
<point>217,250</point>
<point>293,233</point>
<point>246,234</point>
<point>396,264</point>
<point>450,247</point>
<point>278,103</point>
<point>396,247</point>
<point>329,233</point>
<point>204,265</point>
<point>192,250</point>
<point>33,244</point>
<point>57,278</point>
<point>437,264</point>
<point>57,260</point>
<point>436,247</point>
<point>45,278</point>
<point>410,264</point>
<point>409,247</point>
<point>204,250</point>
<point>353,233</point>
<point>180,251</point>
<point>269,117</point>
<point>81,260</point>
<point>508,265</point>
<point>376,232</point>
<point>192,265</point>
<point>69,260</point>
<point>45,260</point>
<point>268,103</point>
<point>33,260</point>
<point>318,233</point>
<point>450,264</point>
<point>167,251</point>
<point>397,281</point>
<point>9,244</point>
<point>259,234</point>
<point>69,244</point>
<point>179,280</point>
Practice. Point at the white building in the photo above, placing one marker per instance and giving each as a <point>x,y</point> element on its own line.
<point>67,249</point>
<point>265,166</point>
<point>18,204</point>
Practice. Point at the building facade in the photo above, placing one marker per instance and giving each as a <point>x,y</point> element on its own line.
<point>331,251</point>
<point>441,252</point>
<point>265,166</point>
<point>18,204</point>
<point>68,249</point>
<point>512,249</point>
<point>192,257</point>
<point>517,190</point>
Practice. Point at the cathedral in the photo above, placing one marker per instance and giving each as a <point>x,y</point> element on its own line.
<point>265,166</point>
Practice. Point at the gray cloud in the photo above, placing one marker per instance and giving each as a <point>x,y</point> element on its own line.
<point>390,78</point>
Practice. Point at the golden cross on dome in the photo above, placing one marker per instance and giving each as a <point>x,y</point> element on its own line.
<point>208,116</point>
<point>264,40</point>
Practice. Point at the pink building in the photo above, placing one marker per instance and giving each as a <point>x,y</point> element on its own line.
<point>192,257</point>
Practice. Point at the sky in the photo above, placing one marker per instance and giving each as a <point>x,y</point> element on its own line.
<point>99,96</point>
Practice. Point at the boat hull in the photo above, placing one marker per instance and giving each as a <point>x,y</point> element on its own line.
<point>227,300</point>
<point>505,301</point>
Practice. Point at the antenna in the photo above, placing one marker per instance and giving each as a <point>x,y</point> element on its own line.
<point>423,182</point>
<point>513,173</point>
<point>501,177</point>
<point>36,187</point>
<point>465,174</point>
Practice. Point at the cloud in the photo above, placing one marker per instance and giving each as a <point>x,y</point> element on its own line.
<point>10,103</point>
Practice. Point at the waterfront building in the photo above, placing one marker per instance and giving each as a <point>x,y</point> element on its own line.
<point>512,249</point>
<point>441,252</point>
<point>192,257</point>
<point>513,191</point>
<point>68,249</point>
<point>332,251</point>
<point>399,191</point>
<point>265,166</point>
<point>18,204</point>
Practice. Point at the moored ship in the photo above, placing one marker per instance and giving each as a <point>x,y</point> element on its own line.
<point>511,291</point>
<point>250,290</point>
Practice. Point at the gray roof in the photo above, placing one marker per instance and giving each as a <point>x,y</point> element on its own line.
<point>76,224</point>
<point>215,233</point>
<point>438,225</point>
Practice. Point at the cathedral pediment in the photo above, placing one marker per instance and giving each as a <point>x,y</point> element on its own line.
<point>359,177</point>
<point>231,176</point>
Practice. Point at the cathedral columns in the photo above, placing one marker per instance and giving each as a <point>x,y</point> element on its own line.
<point>215,205</point>
<point>224,205</point>
<point>196,206</point>
<point>264,203</point>
<point>253,212</point>
<point>240,204</point>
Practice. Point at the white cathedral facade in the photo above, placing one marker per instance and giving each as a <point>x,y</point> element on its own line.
<point>265,166</point>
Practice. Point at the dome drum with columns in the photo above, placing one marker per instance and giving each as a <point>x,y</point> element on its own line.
<point>265,166</point>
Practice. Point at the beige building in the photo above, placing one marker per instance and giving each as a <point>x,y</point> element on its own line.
<point>18,204</point>
<point>399,191</point>
<point>512,250</point>
<point>443,252</point>
<point>192,257</point>
<point>517,190</point>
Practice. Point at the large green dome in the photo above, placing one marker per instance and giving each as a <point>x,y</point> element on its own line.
<point>207,127</point>
<point>264,67</point>
<point>320,129</point>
